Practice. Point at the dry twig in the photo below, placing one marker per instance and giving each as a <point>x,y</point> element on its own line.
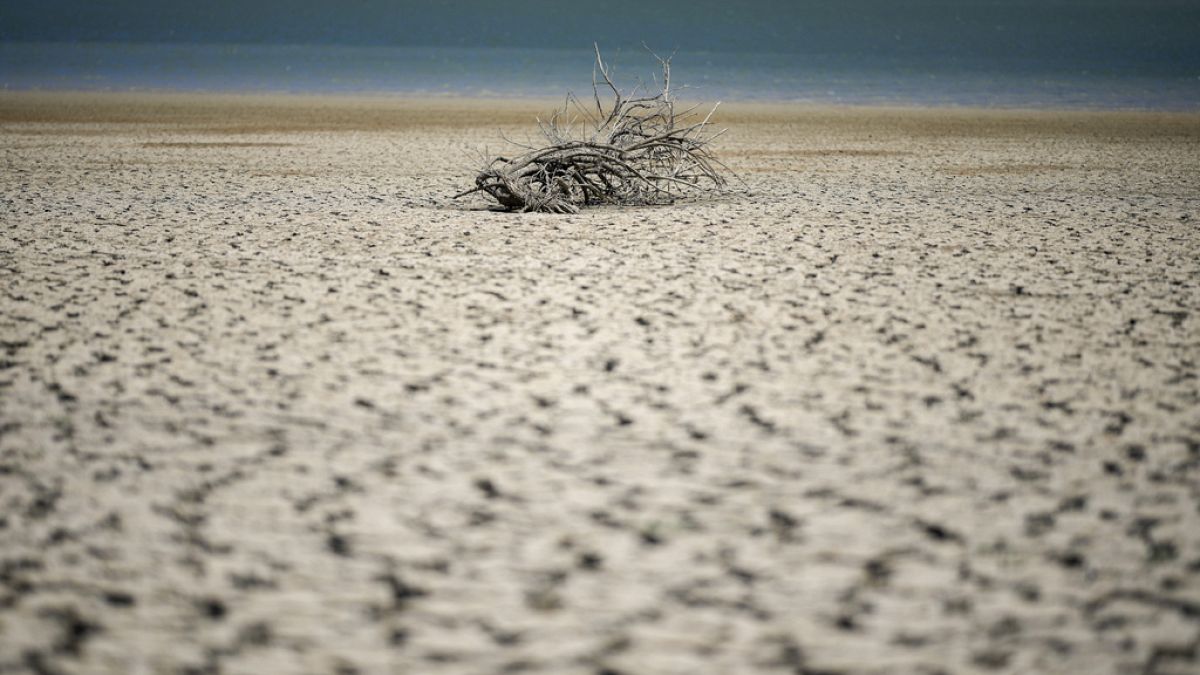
<point>634,150</point>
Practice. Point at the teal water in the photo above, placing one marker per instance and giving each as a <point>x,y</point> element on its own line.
<point>914,79</point>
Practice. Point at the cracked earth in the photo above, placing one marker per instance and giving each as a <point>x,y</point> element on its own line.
<point>925,400</point>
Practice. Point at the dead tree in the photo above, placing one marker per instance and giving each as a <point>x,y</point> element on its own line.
<point>630,150</point>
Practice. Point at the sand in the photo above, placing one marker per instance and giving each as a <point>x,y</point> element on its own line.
<point>925,399</point>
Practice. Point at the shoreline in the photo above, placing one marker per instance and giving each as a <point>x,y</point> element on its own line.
<point>67,106</point>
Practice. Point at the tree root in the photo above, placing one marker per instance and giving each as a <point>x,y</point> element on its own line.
<point>635,150</point>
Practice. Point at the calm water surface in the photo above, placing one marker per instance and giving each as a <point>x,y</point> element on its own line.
<point>916,79</point>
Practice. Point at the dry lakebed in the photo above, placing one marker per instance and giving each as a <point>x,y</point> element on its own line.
<point>922,398</point>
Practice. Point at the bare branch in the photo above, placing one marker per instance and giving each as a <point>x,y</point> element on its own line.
<point>638,150</point>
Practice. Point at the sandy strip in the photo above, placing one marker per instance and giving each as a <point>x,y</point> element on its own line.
<point>925,399</point>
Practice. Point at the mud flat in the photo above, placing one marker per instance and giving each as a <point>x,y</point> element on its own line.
<point>925,400</point>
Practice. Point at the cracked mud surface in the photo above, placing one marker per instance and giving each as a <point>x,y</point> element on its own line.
<point>926,401</point>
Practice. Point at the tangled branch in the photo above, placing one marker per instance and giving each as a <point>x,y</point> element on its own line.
<point>631,150</point>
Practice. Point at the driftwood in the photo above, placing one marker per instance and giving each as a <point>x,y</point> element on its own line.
<point>630,150</point>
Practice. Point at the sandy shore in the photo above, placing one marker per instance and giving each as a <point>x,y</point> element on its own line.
<point>926,400</point>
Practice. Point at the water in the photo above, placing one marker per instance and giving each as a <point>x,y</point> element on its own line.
<point>922,79</point>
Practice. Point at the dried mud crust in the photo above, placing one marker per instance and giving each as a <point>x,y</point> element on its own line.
<point>268,405</point>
